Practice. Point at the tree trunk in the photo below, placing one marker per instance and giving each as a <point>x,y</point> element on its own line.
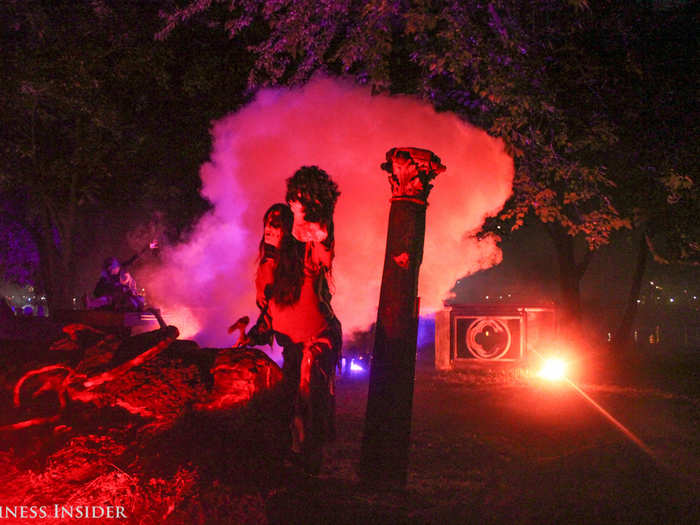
<point>56,273</point>
<point>47,270</point>
<point>570,273</point>
<point>623,335</point>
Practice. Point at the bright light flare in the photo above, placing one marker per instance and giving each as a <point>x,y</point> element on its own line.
<point>553,369</point>
<point>354,367</point>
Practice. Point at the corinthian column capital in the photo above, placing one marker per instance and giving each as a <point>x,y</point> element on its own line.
<point>410,172</point>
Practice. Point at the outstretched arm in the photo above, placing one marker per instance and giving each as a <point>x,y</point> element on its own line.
<point>153,245</point>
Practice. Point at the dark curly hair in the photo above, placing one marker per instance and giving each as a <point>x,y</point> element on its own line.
<point>314,188</point>
<point>289,271</point>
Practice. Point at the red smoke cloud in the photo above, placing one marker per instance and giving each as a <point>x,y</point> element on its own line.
<point>347,132</point>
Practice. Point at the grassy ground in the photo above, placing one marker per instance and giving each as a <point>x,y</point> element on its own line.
<point>493,445</point>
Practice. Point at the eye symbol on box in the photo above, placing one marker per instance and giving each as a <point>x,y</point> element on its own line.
<point>401,260</point>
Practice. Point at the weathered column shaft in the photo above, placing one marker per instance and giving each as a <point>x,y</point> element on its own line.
<point>390,399</point>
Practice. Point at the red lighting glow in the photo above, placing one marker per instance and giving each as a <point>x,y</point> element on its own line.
<point>553,369</point>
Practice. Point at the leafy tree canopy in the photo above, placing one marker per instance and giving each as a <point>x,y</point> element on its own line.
<point>580,93</point>
<point>538,75</point>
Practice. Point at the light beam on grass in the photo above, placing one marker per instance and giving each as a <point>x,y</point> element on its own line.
<point>607,415</point>
<point>554,369</point>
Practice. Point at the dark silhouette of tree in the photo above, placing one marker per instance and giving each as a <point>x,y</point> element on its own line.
<point>102,125</point>
<point>656,163</point>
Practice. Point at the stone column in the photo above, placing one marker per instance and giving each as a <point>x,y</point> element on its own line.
<point>384,457</point>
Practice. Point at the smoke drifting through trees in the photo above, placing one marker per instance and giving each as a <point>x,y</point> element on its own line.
<point>207,282</point>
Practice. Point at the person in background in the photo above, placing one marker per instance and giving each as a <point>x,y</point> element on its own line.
<point>116,288</point>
